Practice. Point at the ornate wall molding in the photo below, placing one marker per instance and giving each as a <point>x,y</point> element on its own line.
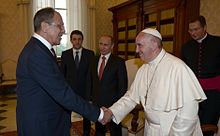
<point>23,2</point>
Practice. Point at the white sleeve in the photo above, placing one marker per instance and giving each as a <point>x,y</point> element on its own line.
<point>186,120</point>
<point>101,115</point>
<point>122,107</point>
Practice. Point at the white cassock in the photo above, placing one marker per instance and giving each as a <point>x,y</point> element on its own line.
<point>173,93</point>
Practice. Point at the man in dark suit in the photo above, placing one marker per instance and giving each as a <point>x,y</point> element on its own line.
<point>75,66</point>
<point>202,55</point>
<point>109,82</point>
<point>44,99</point>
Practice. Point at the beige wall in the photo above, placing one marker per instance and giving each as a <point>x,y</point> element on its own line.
<point>9,38</point>
<point>11,24</point>
<point>13,34</point>
<point>104,17</point>
<point>211,10</point>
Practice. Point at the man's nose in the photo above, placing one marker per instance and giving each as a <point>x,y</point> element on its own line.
<point>63,29</point>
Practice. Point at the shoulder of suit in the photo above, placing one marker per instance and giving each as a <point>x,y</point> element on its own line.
<point>213,37</point>
<point>66,53</point>
<point>87,50</point>
<point>189,43</point>
<point>69,50</point>
<point>117,57</point>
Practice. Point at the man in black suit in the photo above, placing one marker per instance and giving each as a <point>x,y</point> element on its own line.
<point>202,55</point>
<point>75,65</point>
<point>108,82</point>
<point>44,99</point>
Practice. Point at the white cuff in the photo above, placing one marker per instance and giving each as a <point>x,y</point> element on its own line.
<point>101,115</point>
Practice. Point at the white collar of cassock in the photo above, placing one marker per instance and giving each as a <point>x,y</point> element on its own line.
<point>158,58</point>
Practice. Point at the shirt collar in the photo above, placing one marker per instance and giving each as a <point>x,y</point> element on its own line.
<point>158,58</point>
<point>79,50</point>
<point>106,56</point>
<point>44,41</point>
<point>200,40</point>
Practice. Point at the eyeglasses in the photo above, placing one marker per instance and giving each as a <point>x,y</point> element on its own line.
<point>194,29</point>
<point>60,26</point>
<point>105,44</point>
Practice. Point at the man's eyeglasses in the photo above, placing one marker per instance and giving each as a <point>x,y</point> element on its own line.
<point>105,44</point>
<point>60,26</point>
<point>194,29</point>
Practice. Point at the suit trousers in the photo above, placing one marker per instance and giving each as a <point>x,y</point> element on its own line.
<point>86,127</point>
<point>209,110</point>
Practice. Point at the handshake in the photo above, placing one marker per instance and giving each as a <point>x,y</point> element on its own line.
<point>107,116</point>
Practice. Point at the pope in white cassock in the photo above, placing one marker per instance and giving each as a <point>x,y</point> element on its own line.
<point>167,89</point>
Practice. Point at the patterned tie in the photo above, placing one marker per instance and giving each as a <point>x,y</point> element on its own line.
<point>77,59</point>
<point>101,68</point>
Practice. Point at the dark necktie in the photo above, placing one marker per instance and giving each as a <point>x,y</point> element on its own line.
<point>77,59</point>
<point>101,68</point>
<point>53,52</point>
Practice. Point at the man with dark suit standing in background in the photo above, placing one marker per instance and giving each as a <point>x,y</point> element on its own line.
<point>202,55</point>
<point>75,66</point>
<point>108,82</point>
<point>44,99</point>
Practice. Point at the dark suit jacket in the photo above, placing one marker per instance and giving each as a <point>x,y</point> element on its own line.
<point>77,77</point>
<point>210,52</point>
<point>113,84</point>
<point>43,96</point>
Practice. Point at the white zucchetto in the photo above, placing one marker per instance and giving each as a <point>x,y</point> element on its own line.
<point>153,32</point>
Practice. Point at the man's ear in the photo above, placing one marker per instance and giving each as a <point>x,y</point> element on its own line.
<point>44,26</point>
<point>205,27</point>
<point>154,44</point>
<point>112,46</point>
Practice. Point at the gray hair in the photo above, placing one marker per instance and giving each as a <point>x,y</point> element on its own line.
<point>43,15</point>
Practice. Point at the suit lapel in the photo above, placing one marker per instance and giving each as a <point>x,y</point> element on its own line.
<point>107,66</point>
<point>71,59</point>
<point>82,59</point>
<point>43,47</point>
<point>96,66</point>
